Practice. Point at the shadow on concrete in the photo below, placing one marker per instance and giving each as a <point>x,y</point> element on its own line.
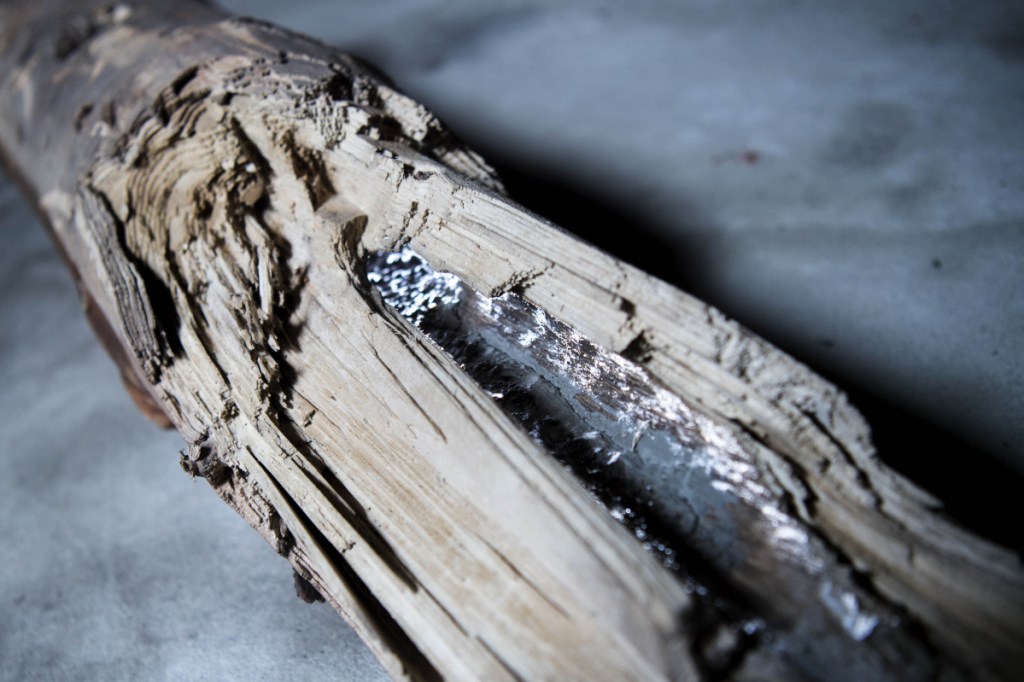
<point>978,491</point>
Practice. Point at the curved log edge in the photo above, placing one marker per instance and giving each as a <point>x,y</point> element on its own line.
<point>217,184</point>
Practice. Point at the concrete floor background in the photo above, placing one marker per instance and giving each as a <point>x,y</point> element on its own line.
<point>846,178</point>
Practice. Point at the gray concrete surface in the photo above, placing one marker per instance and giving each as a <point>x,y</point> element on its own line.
<point>847,178</point>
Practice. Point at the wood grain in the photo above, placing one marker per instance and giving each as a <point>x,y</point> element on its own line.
<point>217,185</point>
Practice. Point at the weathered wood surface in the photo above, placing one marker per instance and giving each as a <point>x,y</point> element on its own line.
<point>217,185</point>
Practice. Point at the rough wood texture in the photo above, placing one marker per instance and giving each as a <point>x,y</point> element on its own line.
<point>217,184</point>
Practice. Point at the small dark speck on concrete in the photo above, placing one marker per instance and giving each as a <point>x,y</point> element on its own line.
<point>747,156</point>
<point>937,263</point>
<point>826,343</point>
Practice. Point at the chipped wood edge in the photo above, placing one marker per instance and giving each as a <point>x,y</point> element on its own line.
<point>301,161</point>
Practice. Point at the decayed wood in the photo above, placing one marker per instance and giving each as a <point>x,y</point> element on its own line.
<point>217,184</point>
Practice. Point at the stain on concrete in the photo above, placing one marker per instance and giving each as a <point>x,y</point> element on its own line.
<point>870,135</point>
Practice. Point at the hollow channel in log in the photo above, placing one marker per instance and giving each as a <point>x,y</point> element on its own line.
<point>684,486</point>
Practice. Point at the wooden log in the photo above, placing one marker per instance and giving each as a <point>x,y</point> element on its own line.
<point>228,193</point>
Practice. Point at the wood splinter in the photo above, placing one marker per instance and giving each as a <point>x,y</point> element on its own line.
<point>389,370</point>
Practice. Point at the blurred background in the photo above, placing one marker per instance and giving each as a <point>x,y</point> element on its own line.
<point>844,178</point>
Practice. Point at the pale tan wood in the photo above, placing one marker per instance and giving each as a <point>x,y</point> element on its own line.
<point>216,186</point>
